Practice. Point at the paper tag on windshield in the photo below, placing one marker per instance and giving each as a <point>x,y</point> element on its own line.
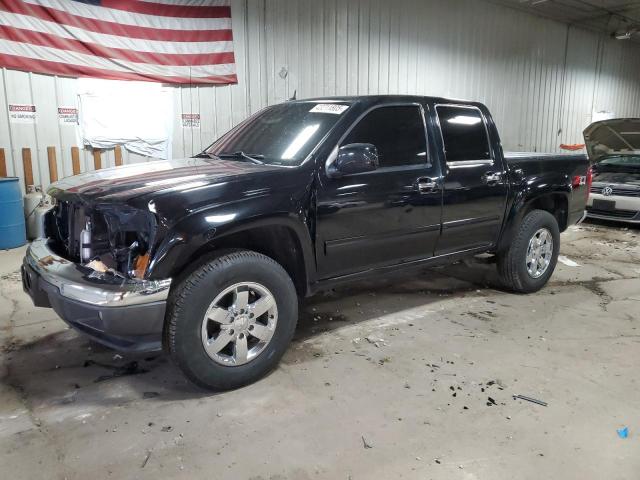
<point>334,108</point>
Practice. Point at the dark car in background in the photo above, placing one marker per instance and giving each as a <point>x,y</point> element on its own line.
<point>614,148</point>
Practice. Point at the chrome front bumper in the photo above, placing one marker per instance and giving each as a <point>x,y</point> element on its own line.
<point>125,314</point>
<point>83,284</point>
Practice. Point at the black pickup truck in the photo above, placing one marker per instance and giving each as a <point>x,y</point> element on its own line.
<point>208,256</point>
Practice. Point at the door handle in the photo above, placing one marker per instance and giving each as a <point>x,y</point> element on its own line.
<point>426,185</point>
<point>492,178</point>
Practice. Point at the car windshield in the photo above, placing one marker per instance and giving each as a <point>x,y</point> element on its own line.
<point>280,135</point>
<point>622,161</point>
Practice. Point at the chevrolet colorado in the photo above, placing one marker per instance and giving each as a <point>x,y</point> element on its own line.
<point>208,256</point>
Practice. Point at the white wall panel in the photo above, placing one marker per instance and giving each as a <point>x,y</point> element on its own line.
<point>65,96</point>
<point>541,79</point>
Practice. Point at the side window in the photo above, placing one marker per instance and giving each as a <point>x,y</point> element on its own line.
<point>464,134</point>
<point>397,132</point>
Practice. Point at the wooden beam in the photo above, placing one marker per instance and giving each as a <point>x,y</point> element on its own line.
<point>28,167</point>
<point>75,160</point>
<point>53,166</point>
<point>3,164</point>
<point>97,159</point>
<point>118,154</point>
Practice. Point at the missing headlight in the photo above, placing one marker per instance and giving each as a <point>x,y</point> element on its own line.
<point>121,239</point>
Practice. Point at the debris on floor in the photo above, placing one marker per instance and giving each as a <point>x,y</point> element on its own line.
<point>146,459</point>
<point>69,398</point>
<point>529,399</point>
<point>130,368</point>
<point>365,443</point>
<point>375,341</point>
<point>623,432</point>
<point>497,382</point>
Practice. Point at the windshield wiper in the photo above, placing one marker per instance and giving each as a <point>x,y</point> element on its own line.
<point>252,157</point>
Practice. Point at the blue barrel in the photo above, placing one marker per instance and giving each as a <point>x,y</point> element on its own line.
<point>12,229</point>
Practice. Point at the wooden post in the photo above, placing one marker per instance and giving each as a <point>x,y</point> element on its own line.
<point>97,159</point>
<point>53,167</point>
<point>75,160</point>
<point>118,154</point>
<point>3,164</point>
<point>28,168</point>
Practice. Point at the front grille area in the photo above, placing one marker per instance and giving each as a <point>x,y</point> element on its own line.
<point>627,214</point>
<point>623,192</point>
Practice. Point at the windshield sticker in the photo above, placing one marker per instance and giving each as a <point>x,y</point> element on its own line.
<point>329,108</point>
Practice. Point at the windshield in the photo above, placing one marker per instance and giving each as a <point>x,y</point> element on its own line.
<point>622,161</point>
<point>282,134</point>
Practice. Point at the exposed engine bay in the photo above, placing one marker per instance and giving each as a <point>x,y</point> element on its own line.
<point>107,238</point>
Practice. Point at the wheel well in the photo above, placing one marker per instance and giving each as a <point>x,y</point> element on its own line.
<point>554,203</point>
<point>277,242</point>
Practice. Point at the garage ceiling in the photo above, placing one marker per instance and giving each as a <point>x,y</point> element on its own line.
<point>615,17</point>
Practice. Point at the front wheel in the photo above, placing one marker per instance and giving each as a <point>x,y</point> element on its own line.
<point>231,320</point>
<point>531,258</point>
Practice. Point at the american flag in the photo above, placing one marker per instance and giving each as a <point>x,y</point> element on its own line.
<point>171,41</point>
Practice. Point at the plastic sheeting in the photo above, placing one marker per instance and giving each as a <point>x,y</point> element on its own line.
<point>137,115</point>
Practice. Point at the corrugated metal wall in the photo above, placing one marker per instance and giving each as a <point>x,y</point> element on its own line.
<point>542,79</point>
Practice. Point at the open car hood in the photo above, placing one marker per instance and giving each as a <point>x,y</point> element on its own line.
<point>619,136</point>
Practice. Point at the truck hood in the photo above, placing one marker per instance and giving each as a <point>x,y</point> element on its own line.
<point>620,136</point>
<point>119,184</point>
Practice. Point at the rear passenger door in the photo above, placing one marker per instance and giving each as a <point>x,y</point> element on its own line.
<point>388,215</point>
<point>475,184</point>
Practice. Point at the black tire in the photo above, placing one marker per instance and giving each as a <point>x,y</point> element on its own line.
<point>512,263</point>
<point>190,300</point>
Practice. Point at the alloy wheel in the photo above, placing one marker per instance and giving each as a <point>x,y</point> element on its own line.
<point>539,253</point>
<point>239,324</point>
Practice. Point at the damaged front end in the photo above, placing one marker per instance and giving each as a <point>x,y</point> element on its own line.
<point>107,238</point>
<point>92,270</point>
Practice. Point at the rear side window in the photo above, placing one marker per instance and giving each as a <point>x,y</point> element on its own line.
<point>464,134</point>
<point>397,132</point>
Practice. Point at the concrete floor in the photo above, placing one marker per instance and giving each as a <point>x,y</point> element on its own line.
<point>389,379</point>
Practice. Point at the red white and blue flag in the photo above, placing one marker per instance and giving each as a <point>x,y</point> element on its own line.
<point>171,41</point>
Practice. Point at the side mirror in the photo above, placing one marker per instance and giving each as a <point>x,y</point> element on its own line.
<point>355,158</point>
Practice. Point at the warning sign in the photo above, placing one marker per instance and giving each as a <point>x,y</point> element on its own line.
<point>19,113</point>
<point>68,116</point>
<point>190,120</point>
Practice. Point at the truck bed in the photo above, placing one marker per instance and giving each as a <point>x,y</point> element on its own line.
<point>532,163</point>
<point>537,156</point>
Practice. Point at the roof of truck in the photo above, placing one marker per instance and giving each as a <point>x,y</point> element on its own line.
<point>372,99</point>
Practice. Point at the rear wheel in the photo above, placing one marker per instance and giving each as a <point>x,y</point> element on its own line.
<point>231,320</point>
<point>530,260</point>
